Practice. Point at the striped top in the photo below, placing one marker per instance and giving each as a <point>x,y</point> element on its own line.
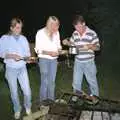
<point>89,37</point>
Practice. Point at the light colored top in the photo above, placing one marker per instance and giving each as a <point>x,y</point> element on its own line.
<point>11,44</point>
<point>45,43</point>
<point>89,37</point>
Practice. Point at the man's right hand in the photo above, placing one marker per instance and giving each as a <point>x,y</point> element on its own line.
<point>67,42</point>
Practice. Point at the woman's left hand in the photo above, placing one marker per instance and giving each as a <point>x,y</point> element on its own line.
<point>53,54</point>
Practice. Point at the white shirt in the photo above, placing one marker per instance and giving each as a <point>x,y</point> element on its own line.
<point>44,42</point>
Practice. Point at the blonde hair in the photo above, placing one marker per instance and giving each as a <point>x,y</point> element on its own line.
<point>52,19</point>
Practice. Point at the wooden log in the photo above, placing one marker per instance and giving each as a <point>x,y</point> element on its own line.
<point>39,114</point>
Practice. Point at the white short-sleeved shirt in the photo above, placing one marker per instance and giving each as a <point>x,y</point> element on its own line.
<point>43,42</point>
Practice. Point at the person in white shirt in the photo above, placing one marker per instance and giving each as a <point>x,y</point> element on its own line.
<point>47,46</point>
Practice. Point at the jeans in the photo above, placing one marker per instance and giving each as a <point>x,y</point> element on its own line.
<point>89,70</point>
<point>48,69</point>
<point>12,74</point>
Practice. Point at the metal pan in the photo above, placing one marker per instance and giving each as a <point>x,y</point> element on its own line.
<point>73,50</point>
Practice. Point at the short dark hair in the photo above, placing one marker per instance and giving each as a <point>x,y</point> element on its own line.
<point>13,23</point>
<point>78,19</point>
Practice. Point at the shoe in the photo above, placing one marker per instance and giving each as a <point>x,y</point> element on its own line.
<point>74,98</point>
<point>93,100</point>
<point>81,93</point>
<point>28,111</point>
<point>17,115</point>
<point>44,110</point>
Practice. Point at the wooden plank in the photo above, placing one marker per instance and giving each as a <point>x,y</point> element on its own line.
<point>39,114</point>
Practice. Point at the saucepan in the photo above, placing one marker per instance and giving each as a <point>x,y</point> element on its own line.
<point>73,50</point>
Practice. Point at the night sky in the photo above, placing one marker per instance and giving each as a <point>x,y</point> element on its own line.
<point>35,12</point>
<point>103,16</point>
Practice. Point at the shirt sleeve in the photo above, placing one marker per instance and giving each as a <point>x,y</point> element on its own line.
<point>72,38</point>
<point>3,47</point>
<point>27,52</point>
<point>58,41</point>
<point>95,41</point>
<point>38,43</point>
<point>75,37</point>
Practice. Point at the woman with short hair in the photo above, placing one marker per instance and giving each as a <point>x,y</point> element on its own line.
<point>13,47</point>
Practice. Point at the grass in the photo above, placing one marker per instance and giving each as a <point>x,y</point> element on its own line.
<point>108,79</point>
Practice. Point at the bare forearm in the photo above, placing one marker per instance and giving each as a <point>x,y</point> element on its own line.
<point>51,53</point>
<point>45,52</point>
<point>9,56</point>
<point>88,47</point>
<point>95,48</point>
<point>12,56</point>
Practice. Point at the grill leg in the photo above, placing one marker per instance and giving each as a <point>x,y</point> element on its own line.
<point>92,116</point>
<point>78,117</point>
<point>110,118</point>
<point>102,116</point>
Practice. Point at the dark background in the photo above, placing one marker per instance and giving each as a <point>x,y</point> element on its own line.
<point>103,16</point>
<point>34,14</point>
<point>100,15</point>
